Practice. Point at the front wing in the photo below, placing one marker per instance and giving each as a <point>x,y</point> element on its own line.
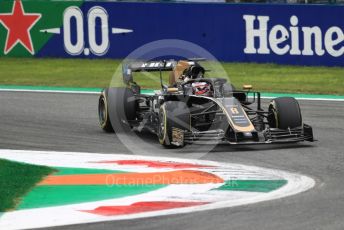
<point>268,136</point>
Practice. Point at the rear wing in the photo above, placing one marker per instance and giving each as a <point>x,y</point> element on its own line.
<point>151,66</point>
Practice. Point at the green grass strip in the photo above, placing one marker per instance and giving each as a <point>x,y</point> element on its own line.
<point>100,73</point>
<point>16,180</point>
<point>252,185</point>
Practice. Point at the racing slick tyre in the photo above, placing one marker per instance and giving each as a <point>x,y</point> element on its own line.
<point>103,113</point>
<point>284,113</point>
<point>174,119</point>
<point>122,106</point>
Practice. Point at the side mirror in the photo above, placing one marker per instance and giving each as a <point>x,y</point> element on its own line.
<point>247,87</point>
<point>127,74</point>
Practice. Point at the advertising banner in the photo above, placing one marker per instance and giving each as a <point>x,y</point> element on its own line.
<point>284,34</point>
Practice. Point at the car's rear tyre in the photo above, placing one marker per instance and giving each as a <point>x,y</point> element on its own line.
<point>174,119</point>
<point>284,113</point>
<point>103,114</point>
<point>122,106</point>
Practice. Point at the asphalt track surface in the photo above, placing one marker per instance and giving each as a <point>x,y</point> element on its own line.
<point>68,122</point>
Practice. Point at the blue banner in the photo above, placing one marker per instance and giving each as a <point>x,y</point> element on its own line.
<point>284,34</point>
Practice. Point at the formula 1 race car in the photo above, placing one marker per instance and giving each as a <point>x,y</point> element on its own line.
<point>197,109</point>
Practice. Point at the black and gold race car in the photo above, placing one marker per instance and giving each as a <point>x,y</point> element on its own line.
<point>198,109</point>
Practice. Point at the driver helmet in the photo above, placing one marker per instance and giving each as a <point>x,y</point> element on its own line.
<point>201,88</point>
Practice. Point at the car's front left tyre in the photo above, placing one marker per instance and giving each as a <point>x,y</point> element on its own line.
<point>284,113</point>
<point>103,113</point>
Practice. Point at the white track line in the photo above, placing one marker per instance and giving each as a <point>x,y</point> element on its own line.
<point>310,99</point>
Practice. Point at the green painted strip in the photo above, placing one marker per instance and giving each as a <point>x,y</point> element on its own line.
<point>81,171</point>
<point>47,196</point>
<point>252,185</point>
<point>54,195</point>
<point>149,91</point>
<point>305,96</point>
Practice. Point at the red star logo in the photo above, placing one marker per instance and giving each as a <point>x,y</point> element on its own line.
<point>18,25</point>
